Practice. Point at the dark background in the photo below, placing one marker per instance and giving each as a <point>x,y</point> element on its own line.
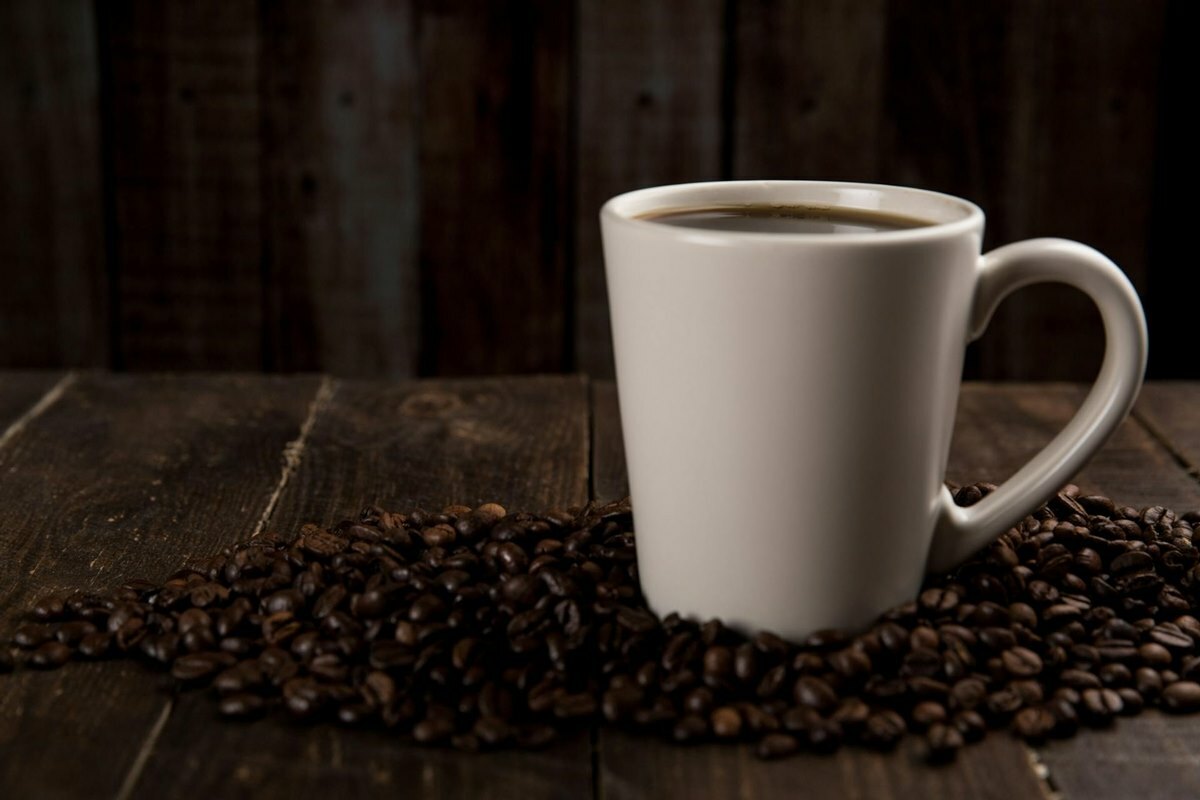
<point>403,187</point>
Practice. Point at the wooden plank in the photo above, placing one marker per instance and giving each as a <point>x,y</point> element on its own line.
<point>184,149</point>
<point>20,392</point>
<point>121,477</point>
<point>636,767</point>
<point>1024,107</point>
<point>522,442</point>
<point>494,198</point>
<point>999,427</point>
<point>609,479</point>
<point>1096,82</point>
<point>1170,411</point>
<point>649,94</point>
<point>339,105</point>
<point>809,82</point>
<point>53,308</point>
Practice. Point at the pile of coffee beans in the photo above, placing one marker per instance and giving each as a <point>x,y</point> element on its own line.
<point>479,628</point>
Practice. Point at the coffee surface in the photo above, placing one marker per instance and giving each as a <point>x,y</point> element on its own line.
<point>761,218</point>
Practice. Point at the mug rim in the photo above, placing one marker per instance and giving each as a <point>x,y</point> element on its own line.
<point>960,216</point>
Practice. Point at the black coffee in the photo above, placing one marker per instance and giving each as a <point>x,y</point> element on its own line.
<point>785,219</point>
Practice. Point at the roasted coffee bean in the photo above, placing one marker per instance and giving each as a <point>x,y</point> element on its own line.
<point>942,742</point>
<point>575,706</point>
<point>776,745</point>
<point>1034,724</point>
<point>968,693</point>
<point>194,667</point>
<point>71,633</point>
<point>718,665</point>
<point>7,662</point>
<point>433,729</point>
<point>971,725</point>
<point>484,629</point>
<point>49,655</point>
<point>726,722</point>
<point>493,731</point>
<point>1181,696</point>
<point>699,700</point>
<point>1115,675</point>
<point>1168,635</point>
<point>32,635</point>
<point>800,718</point>
<point>619,704</point>
<point>938,600</point>
<point>1003,703</point>
<point>1079,679</point>
<point>852,714</point>
<point>48,608</point>
<point>745,659</point>
<point>690,728</point>
<point>883,729</point>
<point>1099,706</point>
<point>814,693</point>
<point>772,682</point>
<point>927,713</point>
<point>1021,662</point>
<point>998,639</point>
<point>241,706</point>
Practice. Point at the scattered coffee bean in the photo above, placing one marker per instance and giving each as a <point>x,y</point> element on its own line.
<point>1034,724</point>
<point>776,745</point>
<point>241,706</point>
<point>1021,662</point>
<point>483,629</point>
<point>942,742</point>
<point>726,722</point>
<point>1181,696</point>
<point>50,655</point>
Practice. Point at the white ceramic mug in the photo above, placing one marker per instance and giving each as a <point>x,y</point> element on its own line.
<point>788,398</point>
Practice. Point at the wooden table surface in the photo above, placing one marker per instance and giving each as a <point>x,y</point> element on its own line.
<point>105,477</point>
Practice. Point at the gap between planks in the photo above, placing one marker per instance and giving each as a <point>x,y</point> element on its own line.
<point>37,409</point>
<point>1163,440</point>
<point>143,756</point>
<point>1040,771</point>
<point>293,451</point>
<point>292,455</point>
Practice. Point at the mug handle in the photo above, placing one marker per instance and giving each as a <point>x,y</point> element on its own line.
<point>963,530</point>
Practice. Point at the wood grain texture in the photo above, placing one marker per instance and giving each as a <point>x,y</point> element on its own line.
<point>121,477</point>
<point>1149,757</point>
<point>609,478</point>
<point>636,767</point>
<point>648,103</point>
<point>185,158</point>
<point>521,442</point>
<point>809,84</point>
<point>20,391</point>
<point>1172,412</point>
<point>1028,108</point>
<point>633,767</point>
<point>494,197</point>
<point>999,427</point>
<point>341,193</point>
<point>54,304</point>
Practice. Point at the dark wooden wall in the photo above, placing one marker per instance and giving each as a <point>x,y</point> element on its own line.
<point>396,187</point>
